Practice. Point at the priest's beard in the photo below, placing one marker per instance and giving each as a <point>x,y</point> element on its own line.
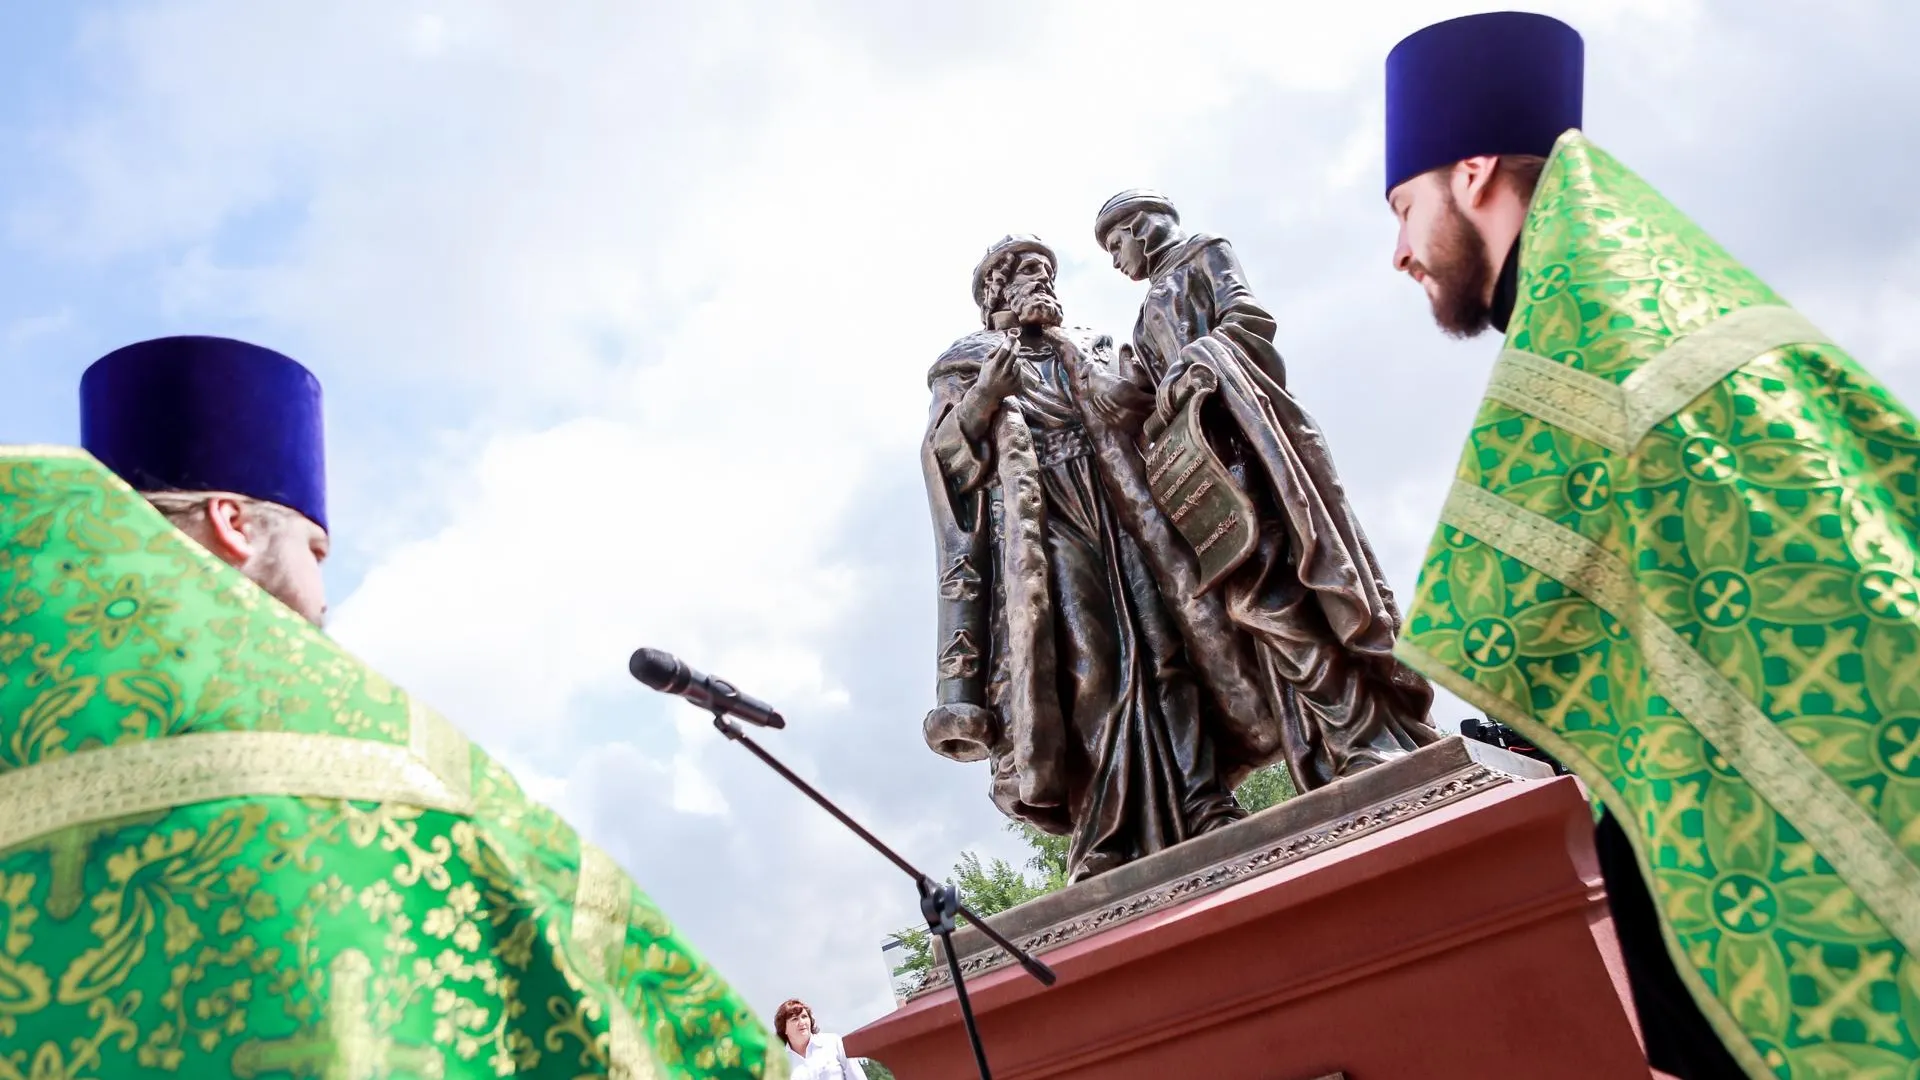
<point>284,565</point>
<point>275,573</point>
<point>1035,305</point>
<point>1461,274</point>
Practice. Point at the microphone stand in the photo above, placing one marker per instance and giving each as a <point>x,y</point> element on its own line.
<point>938,903</point>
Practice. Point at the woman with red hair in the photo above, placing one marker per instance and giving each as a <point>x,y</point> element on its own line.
<point>818,1055</point>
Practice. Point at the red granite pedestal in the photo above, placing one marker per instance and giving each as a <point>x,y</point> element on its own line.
<point>1470,941</point>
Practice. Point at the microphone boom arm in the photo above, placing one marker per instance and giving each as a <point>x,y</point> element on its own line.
<point>938,903</point>
<point>732,731</point>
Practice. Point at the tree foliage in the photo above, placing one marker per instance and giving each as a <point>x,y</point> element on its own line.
<point>1270,786</point>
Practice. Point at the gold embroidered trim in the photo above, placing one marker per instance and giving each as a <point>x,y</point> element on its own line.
<point>1619,416</point>
<point>600,907</point>
<point>161,774</point>
<point>1693,363</point>
<point>1588,406</point>
<point>1841,830</point>
<point>441,747</point>
<point>629,1057</point>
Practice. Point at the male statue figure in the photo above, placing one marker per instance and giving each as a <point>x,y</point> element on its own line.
<point>1279,542</point>
<point>1073,654</point>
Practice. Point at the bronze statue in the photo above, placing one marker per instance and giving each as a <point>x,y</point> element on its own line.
<point>1248,479</point>
<point>1077,653</point>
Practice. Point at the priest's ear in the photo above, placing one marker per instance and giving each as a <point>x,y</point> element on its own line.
<point>241,528</point>
<point>1474,180</point>
<point>233,527</point>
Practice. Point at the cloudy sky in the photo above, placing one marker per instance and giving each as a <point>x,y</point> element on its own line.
<point>624,313</point>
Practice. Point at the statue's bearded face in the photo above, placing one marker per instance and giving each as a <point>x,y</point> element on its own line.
<point>1446,253</point>
<point>1027,291</point>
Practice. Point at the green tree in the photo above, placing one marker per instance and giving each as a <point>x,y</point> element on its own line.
<point>989,888</point>
<point>1270,786</point>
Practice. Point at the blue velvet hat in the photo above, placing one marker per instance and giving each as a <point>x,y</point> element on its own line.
<point>208,414</point>
<point>1503,83</point>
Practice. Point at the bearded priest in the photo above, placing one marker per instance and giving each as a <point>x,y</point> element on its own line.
<point>1680,554</point>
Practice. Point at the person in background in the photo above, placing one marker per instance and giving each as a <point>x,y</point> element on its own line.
<point>816,1054</point>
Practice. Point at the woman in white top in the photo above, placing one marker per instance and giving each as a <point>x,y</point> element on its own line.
<point>817,1055</point>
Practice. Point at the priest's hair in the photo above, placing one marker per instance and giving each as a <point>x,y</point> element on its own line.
<point>187,510</point>
<point>1523,172</point>
<point>1520,171</point>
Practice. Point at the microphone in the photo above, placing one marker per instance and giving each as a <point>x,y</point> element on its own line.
<point>668,675</point>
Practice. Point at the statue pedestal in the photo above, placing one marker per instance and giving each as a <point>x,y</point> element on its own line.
<point>1441,916</point>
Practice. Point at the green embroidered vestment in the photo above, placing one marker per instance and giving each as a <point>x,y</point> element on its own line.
<point>228,848</point>
<point>1680,553</point>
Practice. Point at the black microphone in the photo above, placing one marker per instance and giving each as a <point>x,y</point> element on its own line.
<point>668,675</point>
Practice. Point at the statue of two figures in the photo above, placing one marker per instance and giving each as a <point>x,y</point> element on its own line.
<point>1151,583</point>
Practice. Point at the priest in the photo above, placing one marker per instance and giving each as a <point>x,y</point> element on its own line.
<point>191,424</point>
<point>1679,553</point>
<point>229,848</point>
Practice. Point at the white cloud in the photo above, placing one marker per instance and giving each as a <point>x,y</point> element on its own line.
<point>580,543</point>
<point>1873,318</point>
<point>656,291</point>
<point>26,331</point>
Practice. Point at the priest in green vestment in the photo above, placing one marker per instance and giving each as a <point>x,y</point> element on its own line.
<point>1680,552</point>
<point>229,848</point>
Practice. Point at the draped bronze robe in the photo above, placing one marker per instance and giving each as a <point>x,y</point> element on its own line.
<point>1312,598</point>
<point>1073,656</point>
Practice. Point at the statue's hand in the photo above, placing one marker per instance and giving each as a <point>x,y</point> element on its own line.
<point>998,378</point>
<point>999,375</point>
<point>1167,396</point>
<point>1119,398</point>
